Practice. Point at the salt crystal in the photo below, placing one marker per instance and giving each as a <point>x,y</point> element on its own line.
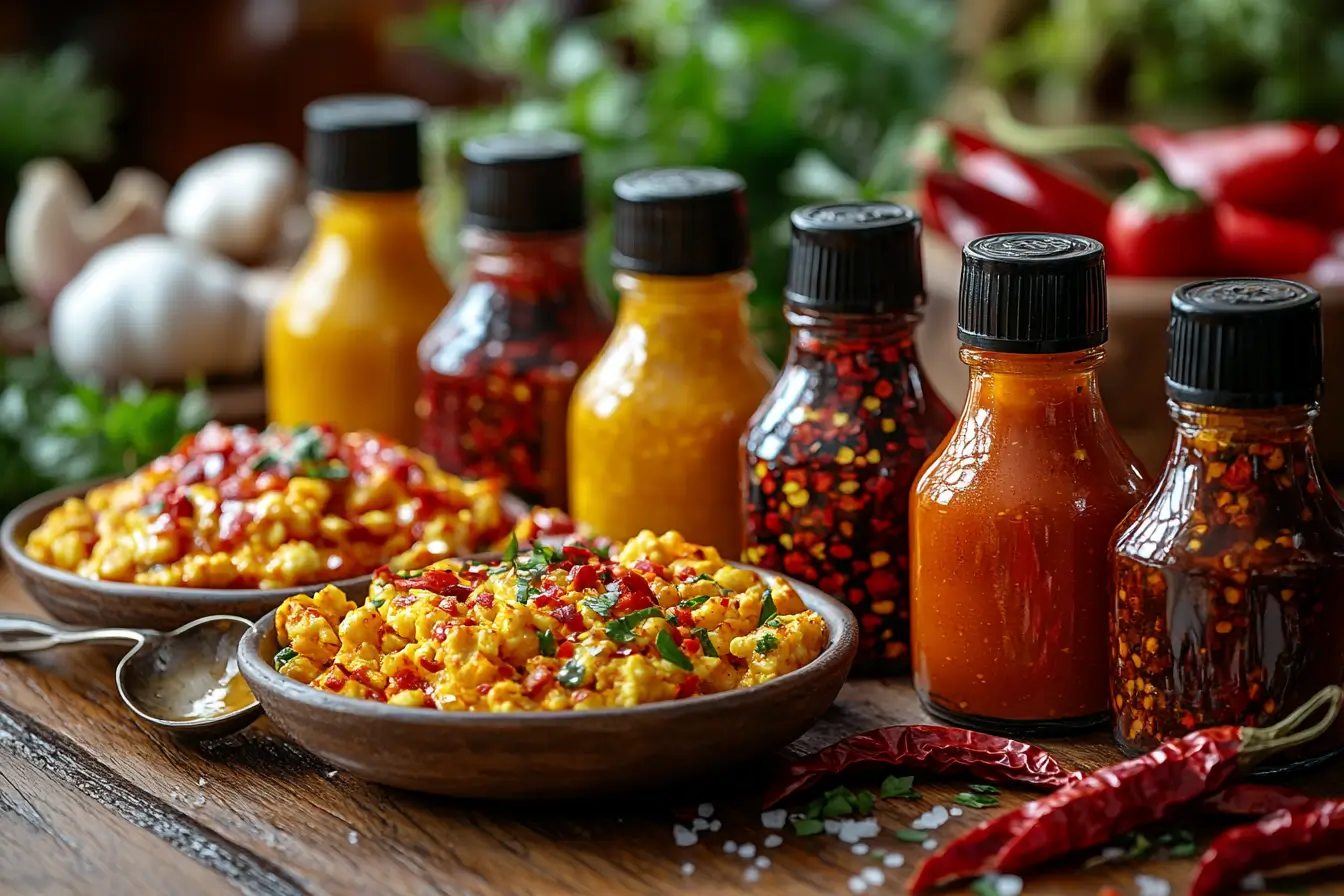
<point>705,810</point>
<point>715,825</point>
<point>852,831</point>
<point>353,837</point>
<point>773,840</point>
<point>893,860</point>
<point>831,826</point>
<point>687,869</point>
<point>729,847</point>
<point>859,849</point>
<point>857,884</point>
<point>1152,886</point>
<point>1008,885</point>
<point>684,835</point>
<point>919,824</point>
<point>331,774</point>
<point>939,813</point>
<point>699,825</point>
<point>873,877</point>
<point>1253,882</point>
<point>954,811</point>
<point>747,850</point>
<point>775,819</point>
<point>200,782</point>
<point>751,875</point>
<point>1111,853</point>
<point>930,844</point>
<point>198,800</point>
<point>762,861</point>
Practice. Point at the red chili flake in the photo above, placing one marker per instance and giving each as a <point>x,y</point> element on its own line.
<point>407,680</point>
<point>565,650</point>
<point>648,566</point>
<point>584,578</point>
<point>689,687</point>
<point>568,616</point>
<point>483,689</point>
<point>684,617</point>
<point>485,600</point>
<point>538,678</point>
<point>429,664</point>
<point>581,695</point>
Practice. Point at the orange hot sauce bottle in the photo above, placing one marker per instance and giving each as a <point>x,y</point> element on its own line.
<point>1011,519</point>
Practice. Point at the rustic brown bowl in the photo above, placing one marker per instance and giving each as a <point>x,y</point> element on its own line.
<point>535,755</point>
<point>80,601</point>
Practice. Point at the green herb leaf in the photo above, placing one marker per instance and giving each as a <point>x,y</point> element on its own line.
<point>496,570</point>
<point>603,552</point>
<point>985,886</point>
<point>671,652</point>
<point>898,788</point>
<point>975,800</point>
<point>1182,850</point>
<point>262,461</point>
<point>602,604</point>
<point>912,836</point>
<point>1138,845</point>
<point>766,643</point>
<point>775,623</point>
<point>333,470</point>
<point>863,804</point>
<point>525,591</point>
<point>283,656</point>
<point>511,551</point>
<point>546,642</point>
<point>572,674</point>
<point>837,806</point>
<point>377,602</point>
<point>706,645</point>
<point>768,610</point>
<point>814,808</point>
<point>623,630</point>
<point>703,577</point>
<point>983,788</point>
<point>807,827</point>
<point>691,603</point>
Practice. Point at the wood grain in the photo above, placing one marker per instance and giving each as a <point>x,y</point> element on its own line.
<point>267,818</point>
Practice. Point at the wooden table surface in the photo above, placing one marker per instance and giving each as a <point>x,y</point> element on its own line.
<point>94,800</point>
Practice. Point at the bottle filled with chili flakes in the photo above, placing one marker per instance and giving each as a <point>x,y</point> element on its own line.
<point>501,361</point>
<point>1229,580</point>
<point>831,453</point>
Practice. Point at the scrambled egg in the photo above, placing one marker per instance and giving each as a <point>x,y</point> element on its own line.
<point>234,508</point>
<point>553,630</point>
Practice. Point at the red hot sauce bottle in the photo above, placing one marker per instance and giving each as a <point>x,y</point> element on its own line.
<point>1228,581</point>
<point>501,361</point>
<point>831,454</point>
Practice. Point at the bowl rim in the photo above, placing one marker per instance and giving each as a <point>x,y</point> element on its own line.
<point>36,507</point>
<point>841,645</point>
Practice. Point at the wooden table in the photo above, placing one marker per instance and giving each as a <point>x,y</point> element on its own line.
<point>94,800</point>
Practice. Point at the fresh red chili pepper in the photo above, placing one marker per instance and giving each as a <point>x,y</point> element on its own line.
<point>963,211</point>
<point>1255,244</point>
<point>1121,797</point>
<point>1279,167</point>
<point>927,748</point>
<point>1287,837</point>
<point>1063,204</point>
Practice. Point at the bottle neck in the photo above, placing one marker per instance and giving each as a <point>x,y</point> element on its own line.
<point>1004,378</point>
<point>681,302</point>
<point>372,217</point>
<point>526,264</point>
<point>818,335</point>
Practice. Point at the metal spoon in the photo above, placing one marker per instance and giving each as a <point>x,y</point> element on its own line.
<point>185,681</point>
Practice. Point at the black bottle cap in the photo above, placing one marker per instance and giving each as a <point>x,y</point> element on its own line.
<point>365,144</point>
<point>525,183</point>
<point>689,222</point>
<point>1245,343</point>
<point>856,258</point>
<point>1032,293</point>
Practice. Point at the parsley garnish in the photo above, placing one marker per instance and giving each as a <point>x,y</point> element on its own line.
<point>623,629</point>
<point>704,577</point>
<point>806,827</point>
<point>377,602</point>
<point>525,590</point>
<point>766,643</point>
<point>306,444</point>
<point>572,674</point>
<point>775,623</point>
<point>912,836</point>
<point>546,643</point>
<point>261,461</point>
<point>511,552</point>
<point>839,802</point>
<point>284,655</point>
<point>602,552</point>
<point>1138,845</point>
<point>496,570</point>
<point>671,652</point>
<point>333,470</point>
<point>768,610</point>
<point>706,645</point>
<point>983,788</point>
<point>976,800</point>
<point>691,603</point>
<point>985,886</point>
<point>602,604</point>
<point>899,788</point>
<point>1179,842</point>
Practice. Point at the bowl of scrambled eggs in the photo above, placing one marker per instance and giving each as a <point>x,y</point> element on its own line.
<point>233,521</point>
<point>561,671</point>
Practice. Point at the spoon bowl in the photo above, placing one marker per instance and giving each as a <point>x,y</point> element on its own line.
<point>185,681</point>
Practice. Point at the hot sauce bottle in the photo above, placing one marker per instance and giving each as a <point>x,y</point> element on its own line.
<point>831,454</point>
<point>1011,519</point>
<point>655,422</point>
<point>500,363</point>
<point>1229,579</point>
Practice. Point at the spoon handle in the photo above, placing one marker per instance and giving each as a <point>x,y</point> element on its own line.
<point>25,634</point>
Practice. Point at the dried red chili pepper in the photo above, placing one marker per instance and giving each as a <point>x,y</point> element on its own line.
<point>1286,837</point>
<point>1121,797</point>
<point>830,455</point>
<point>1256,799</point>
<point>924,748</point>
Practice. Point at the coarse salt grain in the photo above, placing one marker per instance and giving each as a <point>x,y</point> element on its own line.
<point>730,846</point>
<point>1254,882</point>
<point>687,869</point>
<point>930,844</point>
<point>775,819</point>
<point>751,875</point>
<point>331,774</point>
<point>954,811</point>
<point>352,837</point>
<point>1112,853</point>
<point>859,849</point>
<point>831,826</point>
<point>684,835</point>
<point>699,825</point>
<point>893,860</point>
<point>200,782</point>
<point>939,813</point>
<point>854,830</point>
<point>715,825</point>
<point>762,861</point>
<point>747,850</point>
<point>873,877</point>
<point>857,884</point>
<point>1008,885</point>
<point>1152,886</point>
<point>773,840</point>
<point>705,810</point>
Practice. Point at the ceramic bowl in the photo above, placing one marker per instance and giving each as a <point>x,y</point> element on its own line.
<point>542,755</point>
<point>80,601</point>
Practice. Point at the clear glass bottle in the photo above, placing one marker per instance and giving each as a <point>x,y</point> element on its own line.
<point>1011,520</point>
<point>1229,580</point>
<point>831,453</point>
<point>500,363</point>
<point>655,422</point>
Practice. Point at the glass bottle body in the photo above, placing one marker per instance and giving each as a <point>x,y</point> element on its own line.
<point>341,340</point>
<point>500,363</point>
<point>1010,524</point>
<point>1229,582</point>
<point>828,462</point>
<point>656,420</point>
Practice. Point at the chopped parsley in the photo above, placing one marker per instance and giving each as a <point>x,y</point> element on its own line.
<point>807,827</point>
<point>1179,842</point>
<point>572,674</point>
<point>768,610</point>
<point>546,643</point>
<point>983,788</point>
<point>496,570</point>
<point>284,656</point>
<point>333,470</point>
<point>702,635</point>
<point>766,643</point>
<point>525,591</point>
<point>671,652</point>
<point>912,836</point>
<point>775,623</point>
<point>985,886</point>
<point>976,800</point>
<point>602,604</point>
<point>704,577</point>
<point>899,788</point>
<point>377,602</point>
<point>306,444</point>
<point>262,461</point>
<point>511,552</point>
<point>623,630</point>
<point>691,603</point>
<point>602,552</point>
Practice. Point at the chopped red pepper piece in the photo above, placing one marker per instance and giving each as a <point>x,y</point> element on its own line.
<point>538,678</point>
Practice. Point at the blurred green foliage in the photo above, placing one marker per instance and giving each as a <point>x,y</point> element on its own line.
<point>48,107</point>
<point>55,431</point>
<point>1188,61</point>
<point>807,102</point>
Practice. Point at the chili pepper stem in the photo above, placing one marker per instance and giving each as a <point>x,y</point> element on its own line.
<point>1259,743</point>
